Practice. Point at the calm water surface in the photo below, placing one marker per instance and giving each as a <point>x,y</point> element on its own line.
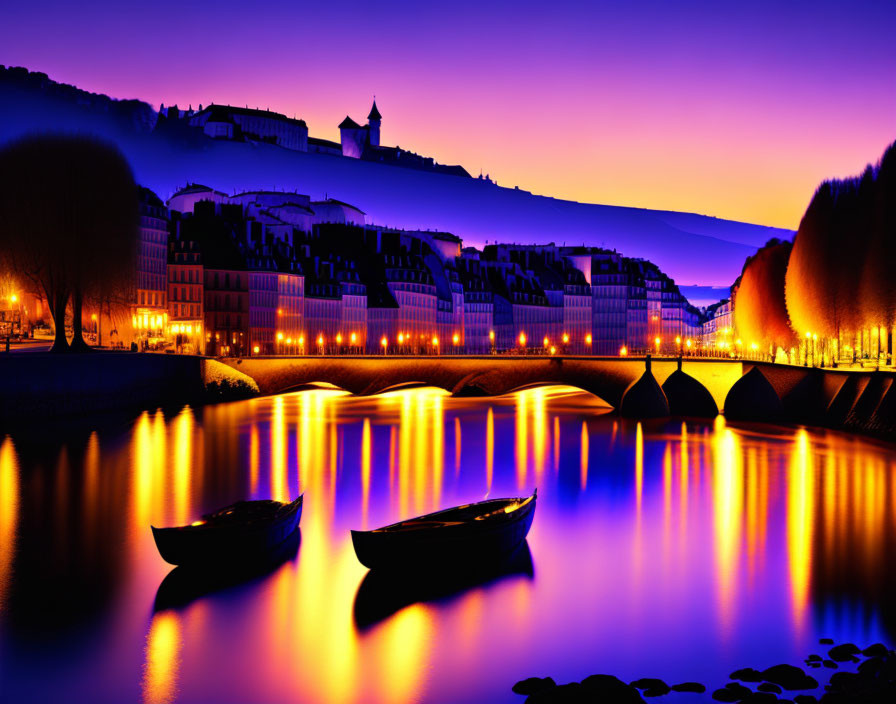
<point>668,549</point>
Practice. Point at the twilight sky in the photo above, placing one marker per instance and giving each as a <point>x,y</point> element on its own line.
<point>734,111</point>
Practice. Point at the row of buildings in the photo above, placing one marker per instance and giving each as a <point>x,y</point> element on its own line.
<point>266,272</point>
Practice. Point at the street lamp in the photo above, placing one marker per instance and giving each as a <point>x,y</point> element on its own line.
<point>523,341</point>
<point>385,343</point>
<point>657,341</point>
<point>491,341</point>
<point>455,339</point>
<point>623,351</point>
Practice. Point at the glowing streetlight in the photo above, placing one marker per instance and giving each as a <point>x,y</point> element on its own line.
<point>338,338</point>
<point>588,339</point>
<point>279,337</point>
<point>385,343</point>
<point>353,338</point>
<point>688,343</point>
<point>546,341</point>
<point>522,339</point>
<point>565,338</point>
<point>455,339</point>
<point>678,340</point>
<point>435,342</point>
<point>491,335</point>
<point>623,351</point>
<point>400,338</point>
<point>657,341</point>
<point>553,350</point>
<point>13,298</point>
<point>255,349</point>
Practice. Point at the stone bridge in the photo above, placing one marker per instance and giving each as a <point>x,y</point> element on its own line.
<point>858,400</point>
<point>605,377</point>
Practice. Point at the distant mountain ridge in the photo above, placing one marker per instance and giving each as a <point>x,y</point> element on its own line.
<point>691,248</point>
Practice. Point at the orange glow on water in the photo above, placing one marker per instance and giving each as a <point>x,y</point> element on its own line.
<point>583,458</point>
<point>163,645</point>
<point>365,471</point>
<point>800,516</point>
<point>727,492</point>
<point>489,448</point>
<point>9,510</point>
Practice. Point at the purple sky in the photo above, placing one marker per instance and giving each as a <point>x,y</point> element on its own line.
<point>737,112</point>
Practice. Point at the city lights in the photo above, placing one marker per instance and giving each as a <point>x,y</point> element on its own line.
<point>456,339</point>
<point>522,339</point>
<point>565,338</point>
<point>255,349</point>
<point>623,351</point>
<point>588,339</point>
<point>546,341</point>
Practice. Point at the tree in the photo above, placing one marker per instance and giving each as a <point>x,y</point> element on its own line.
<point>760,308</point>
<point>878,287</point>
<point>68,221</point>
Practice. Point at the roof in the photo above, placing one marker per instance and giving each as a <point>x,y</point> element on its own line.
<point>349,124</point>
<point>220,113</point>
<point>333,201</point>
<point>149,198</point>
<point>374,113</point>
<point>324,142</point>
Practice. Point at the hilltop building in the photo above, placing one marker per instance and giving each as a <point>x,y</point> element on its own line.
<point>234,123</point>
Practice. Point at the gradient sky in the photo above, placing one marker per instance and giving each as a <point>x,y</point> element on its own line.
<point>735,111</point>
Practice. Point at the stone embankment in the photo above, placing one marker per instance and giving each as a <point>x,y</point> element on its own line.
<point>867,676</point>
<point>36,386</point>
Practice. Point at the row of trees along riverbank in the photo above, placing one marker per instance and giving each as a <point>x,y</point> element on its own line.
<point>833,290</point>
<point>69,223</point>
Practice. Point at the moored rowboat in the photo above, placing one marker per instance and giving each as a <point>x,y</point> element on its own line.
<point>242,532</point>
<point>459,536</point>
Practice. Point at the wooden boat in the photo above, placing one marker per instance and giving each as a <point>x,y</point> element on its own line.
<point>455,537</point>
<point>242,532</point>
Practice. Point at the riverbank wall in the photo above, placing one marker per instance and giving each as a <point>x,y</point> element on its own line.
<point>34,386</point>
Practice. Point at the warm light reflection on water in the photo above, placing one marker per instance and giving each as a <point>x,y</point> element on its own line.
<point>661,548</point>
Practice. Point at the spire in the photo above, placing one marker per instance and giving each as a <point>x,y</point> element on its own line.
<point>374,113</point>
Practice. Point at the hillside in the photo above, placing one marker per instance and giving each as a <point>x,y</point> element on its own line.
<point>693,249</point>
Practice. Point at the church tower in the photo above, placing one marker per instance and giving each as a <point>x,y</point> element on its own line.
<point>374,119</point>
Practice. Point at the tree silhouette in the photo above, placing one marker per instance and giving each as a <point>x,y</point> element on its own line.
<point>760,309</point>
<point>878,289</point>
<point>68,222</point>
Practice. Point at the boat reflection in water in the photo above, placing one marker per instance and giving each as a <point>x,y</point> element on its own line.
<point>383,593</point>
<point>682,550</point>
<point>186,583</point>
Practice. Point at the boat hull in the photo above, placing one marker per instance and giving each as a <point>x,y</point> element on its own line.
<point>451,547</point>
<point>232,543</point>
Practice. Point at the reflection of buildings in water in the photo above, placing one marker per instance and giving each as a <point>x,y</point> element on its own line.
<point>850,580</point>
<point>9,509</point>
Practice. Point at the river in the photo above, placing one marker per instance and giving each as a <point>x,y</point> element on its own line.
<point>673,549</point>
